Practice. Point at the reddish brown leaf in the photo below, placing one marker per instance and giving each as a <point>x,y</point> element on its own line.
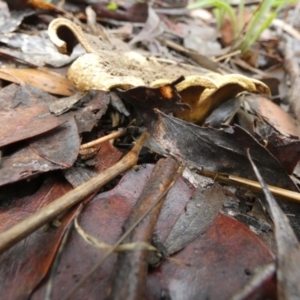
<point>274,115</point>
<point>129,277</point>
<point>107,156</point>
<point>280,145</point>
<point>25,122</point>
<point>103,218</point>
<point>214,266</point>
<point>23,267</point>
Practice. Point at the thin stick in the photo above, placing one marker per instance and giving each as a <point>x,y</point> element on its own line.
<point>103,139</point>
<point>228,55</point>
<point>253,185</point>
<point>18,232</point>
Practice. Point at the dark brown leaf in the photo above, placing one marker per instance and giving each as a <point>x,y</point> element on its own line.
<point>14,95</point>
<point>225,112</point>
<point>145,99</point>
<point>93,107</point>
<point>25,122</point>
<point>106,157</point>
<point>280,145</point>
<point>218,151</point>
<point>57,149</point>
<point>60,146</point>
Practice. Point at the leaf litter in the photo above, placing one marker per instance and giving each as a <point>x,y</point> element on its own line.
<point>148,84</point>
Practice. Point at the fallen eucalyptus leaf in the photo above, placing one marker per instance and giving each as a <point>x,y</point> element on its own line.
<point>199,214</point>
<point>217,151</point>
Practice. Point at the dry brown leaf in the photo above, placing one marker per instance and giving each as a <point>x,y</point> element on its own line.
<point>108,69</point>
<point>274,115</point>
<point>46,81</point>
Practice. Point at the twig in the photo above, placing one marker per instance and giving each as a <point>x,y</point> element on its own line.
<point>287,28</point>
<point>226,56</point>
<point>18,232</point>
<point>103,139</point>
<point>252,185</point>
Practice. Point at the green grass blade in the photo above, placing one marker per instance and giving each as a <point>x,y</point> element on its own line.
<point>221,4</point>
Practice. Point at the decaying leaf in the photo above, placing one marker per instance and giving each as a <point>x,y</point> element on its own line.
<point>52,150</point>
<point>63,105</point>
<point>25,95</point>
<point>25,122</point>
<point>47,81</point>
<point>218,151</point>
<point>280,145</point>
<point>36,50</point>
<point>200,213</point>
<point>106,69</point>
<point>274,115</point>
<point>223,114</point>
<point>145,100</point>
<point>194,274</point>
<point>213,266</point>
